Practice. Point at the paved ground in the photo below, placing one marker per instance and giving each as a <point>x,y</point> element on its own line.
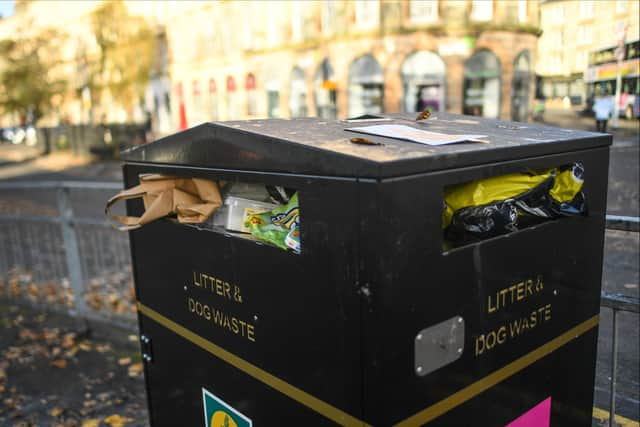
<point>620,276</point>
<point>58,372</point>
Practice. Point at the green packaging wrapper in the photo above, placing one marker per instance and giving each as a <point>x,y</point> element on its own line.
<point>280,226</point>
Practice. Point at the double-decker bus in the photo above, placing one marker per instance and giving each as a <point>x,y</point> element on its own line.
<point>601,74</point>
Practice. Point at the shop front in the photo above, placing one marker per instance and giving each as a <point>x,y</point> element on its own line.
<point>424,82</point>
<point>520,87</point>
<point>326,91</point>
<point>366,87</point>
<point>481,91</point>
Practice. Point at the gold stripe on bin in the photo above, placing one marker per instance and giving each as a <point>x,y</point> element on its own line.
<point>471,391</point>
<point>321,407</point>
<point>342,418</point>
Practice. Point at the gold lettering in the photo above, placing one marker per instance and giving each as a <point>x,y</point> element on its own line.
<point>236,294</point>
<point>219,287</point>
<point>491,308</point>
<point>227,289</point>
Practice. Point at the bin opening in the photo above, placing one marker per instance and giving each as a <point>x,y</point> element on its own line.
<point>484,208</point>
<point>266,213</point>
<point>261,212</point>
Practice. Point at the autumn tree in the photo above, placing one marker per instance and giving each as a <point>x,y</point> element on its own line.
<point>126,48</point>
<point>28,74</point>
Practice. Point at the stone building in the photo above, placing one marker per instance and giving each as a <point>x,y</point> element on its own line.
<point>571,31</point>
<point>332,58</point>
<point>232,60</point>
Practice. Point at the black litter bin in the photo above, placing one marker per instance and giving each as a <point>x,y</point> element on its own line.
<point>379,320</point>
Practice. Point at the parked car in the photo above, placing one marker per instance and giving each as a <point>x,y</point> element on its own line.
<point>19,135</point>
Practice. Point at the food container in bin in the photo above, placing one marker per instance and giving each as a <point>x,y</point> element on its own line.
<point>236,209</point>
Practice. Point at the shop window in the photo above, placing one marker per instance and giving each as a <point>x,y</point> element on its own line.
<point>298,93</point>
<point>213,100</point>
<point>250,87</point>
<point>366,87</point>
<point>325,91</point>
<point>367,13</point>
<point>482,85</point>
<point>421,11</point>
<point>520,87</point>
<point>481,10</point>
<point>423,79</point>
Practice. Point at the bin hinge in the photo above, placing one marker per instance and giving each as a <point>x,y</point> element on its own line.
<point>145,347</point>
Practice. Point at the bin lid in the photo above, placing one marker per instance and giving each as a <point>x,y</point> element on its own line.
<point>315,146</point>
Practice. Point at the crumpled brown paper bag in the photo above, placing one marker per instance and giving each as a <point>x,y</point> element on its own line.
<point>193,200</point>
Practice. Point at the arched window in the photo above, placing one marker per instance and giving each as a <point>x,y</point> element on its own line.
<point>325,91</point>
<point>272,86</point>
<point>250,87</point>
<point>366,87</point>
<point>298,93</point>
<point>424,82</point>
<point>520,87</point>
<point>482,85</point>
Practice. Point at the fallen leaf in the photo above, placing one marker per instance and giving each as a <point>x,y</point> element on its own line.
<point>60,363</point>
<point>116,420</point>
<point>103,348</point>
<point>56,412</point>
<point>68,340</point>
<point>93,422</point>
<point>84,346</point>
<point>135,370</point>
<point>123,361</point>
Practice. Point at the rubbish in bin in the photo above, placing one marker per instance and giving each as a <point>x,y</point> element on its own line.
<point>498,205</point>
<point>236,211</point>
<point>245,190</point>
<point>279,226</point>
<point>280,195</point>
<point>191,200</point>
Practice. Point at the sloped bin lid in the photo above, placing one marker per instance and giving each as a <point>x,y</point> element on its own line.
<point>314,146</point>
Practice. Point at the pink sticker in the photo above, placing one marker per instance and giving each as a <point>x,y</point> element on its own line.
<point>538,416</point>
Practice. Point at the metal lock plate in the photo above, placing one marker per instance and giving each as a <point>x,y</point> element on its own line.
<point>439,345</point>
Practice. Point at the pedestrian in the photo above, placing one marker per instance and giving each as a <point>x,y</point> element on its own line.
<point>603,109</point>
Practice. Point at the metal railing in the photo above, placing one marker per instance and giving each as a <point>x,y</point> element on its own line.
<point>618,303</point>
<point>65,247</point>
<point>55,256</point>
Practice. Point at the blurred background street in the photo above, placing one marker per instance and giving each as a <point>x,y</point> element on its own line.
<point>82,81</point>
